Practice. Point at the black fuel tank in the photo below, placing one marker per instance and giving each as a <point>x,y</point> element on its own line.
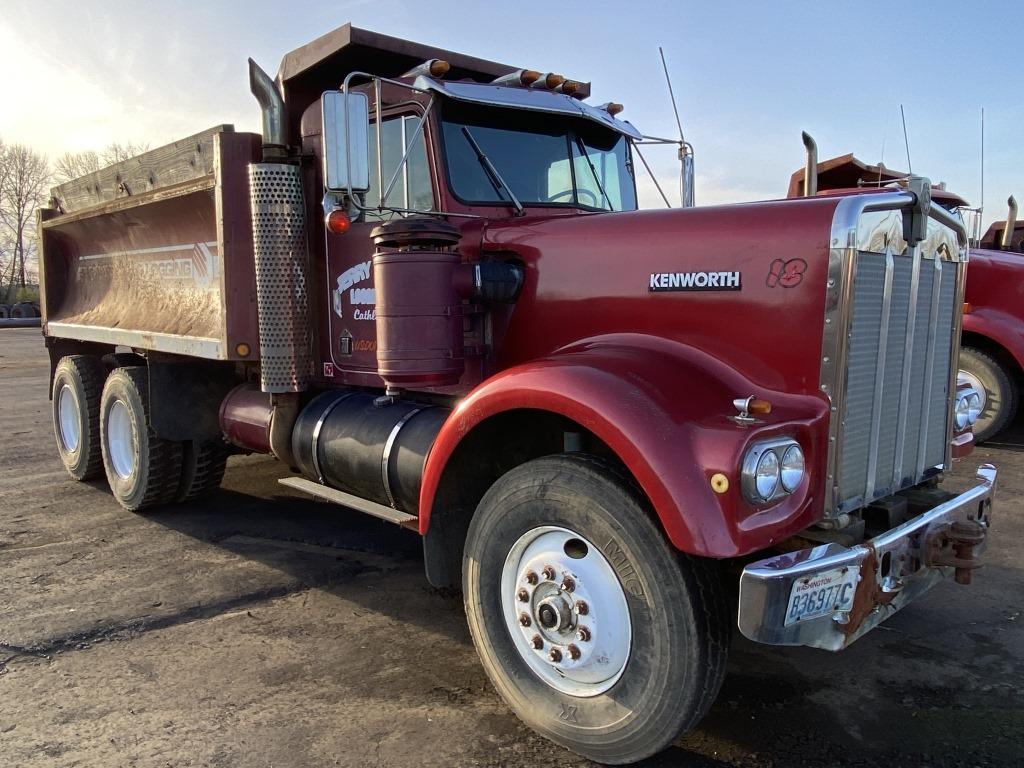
<point>346,440</point>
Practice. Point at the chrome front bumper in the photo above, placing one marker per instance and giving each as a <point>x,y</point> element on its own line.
<point>892,569</point>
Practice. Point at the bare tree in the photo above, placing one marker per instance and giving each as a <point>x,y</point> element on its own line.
<point>115,152</point>
<point>72,165</point>
<point>24,176</point>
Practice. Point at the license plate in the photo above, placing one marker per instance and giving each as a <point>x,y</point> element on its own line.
<point>821,594</point>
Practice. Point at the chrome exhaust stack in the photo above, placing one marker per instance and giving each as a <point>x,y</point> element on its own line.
<point>278,213</point>
<point>810,166</point>
<point>272,108</point>
<point>1006,243</point>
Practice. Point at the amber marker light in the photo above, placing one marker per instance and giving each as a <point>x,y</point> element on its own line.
<point>338,222</point>
<point>439,68</point>
<point>242,349</point>
<point>967,307</point>
<point>759,407</point>
<point>553,81</point>
<point>719,483</point>
<point>612,108</point>
<point>529,76</point>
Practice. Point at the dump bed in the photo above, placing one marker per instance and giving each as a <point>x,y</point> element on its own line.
<point>156,251</point>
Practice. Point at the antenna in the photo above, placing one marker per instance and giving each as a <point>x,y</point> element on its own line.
<point>671,94</point>
<point>685,149</point>
<point>981,203</point>
<point>906,141</point>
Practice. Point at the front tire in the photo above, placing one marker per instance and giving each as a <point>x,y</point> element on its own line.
<point>621,677</point>
<point>1000,391</point>
<point>142,469</point>
<point>77,386</point>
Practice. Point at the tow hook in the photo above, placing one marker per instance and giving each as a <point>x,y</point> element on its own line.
<point>952,544</point>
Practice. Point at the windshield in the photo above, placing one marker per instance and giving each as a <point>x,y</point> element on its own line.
<point>546,160</point>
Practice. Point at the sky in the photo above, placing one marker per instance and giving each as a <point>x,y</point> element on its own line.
<point>748,76</point>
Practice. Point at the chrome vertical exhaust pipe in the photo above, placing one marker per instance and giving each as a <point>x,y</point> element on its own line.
<point>1011,222</point>
<point>811,166</point>
<point>271,107</point>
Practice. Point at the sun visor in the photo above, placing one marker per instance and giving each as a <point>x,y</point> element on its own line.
<point>526,98</point>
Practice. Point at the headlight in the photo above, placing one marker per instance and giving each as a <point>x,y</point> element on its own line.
<point>766,477</point>
<point>963,411</point>
<point>792,471</point>
<point>771,468</point>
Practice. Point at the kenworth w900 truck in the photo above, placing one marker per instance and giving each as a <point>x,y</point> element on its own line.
<point>427,289</point>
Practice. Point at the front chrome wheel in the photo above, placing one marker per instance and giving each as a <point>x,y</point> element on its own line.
<point>566,611</point>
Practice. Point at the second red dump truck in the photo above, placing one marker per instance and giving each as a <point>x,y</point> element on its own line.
<point>426,289</point>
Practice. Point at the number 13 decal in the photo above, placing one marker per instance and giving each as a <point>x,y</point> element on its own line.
<point>786,273</point>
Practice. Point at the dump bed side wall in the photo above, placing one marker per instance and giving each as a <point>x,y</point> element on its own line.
<point>170,269</point>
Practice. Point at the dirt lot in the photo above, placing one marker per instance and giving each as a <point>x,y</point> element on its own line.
<point>262,629</point>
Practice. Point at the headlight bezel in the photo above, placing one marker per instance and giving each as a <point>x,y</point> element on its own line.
<point>752,462</point>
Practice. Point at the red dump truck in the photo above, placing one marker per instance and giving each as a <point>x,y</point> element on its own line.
<point>426,289</point>
<point>992,355</point>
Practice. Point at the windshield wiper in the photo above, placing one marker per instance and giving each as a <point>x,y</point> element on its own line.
<point>583,150</point>
<point>492,172</point>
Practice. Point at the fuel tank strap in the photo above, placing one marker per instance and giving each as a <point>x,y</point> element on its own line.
<point>385,460</point>
<point>315,440</point>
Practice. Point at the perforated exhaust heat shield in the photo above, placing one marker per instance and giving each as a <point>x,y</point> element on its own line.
<point>279,244</point>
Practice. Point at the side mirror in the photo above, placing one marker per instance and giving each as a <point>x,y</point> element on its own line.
<point>346,130</point>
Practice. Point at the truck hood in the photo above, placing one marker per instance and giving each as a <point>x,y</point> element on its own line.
<point>745,283</point>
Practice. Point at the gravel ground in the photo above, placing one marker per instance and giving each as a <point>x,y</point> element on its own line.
<point>258,628</point>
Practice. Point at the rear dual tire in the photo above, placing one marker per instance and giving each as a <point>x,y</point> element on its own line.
<point>143,470</point>
<point>666,612</point>
<point>77,389</point>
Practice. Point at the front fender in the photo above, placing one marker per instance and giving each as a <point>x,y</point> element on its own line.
<point>664,409</point>
<point>1004,329</point>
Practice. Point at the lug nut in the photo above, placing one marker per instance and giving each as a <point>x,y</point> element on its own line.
<point>537,642</point>
<point>523,595</point>
<point>524,619</point>
<point>548,573</point>
<point>583,634</point>
<point>531,577</point>
<point>568,584</point>
<point>574,652</point>
<point>555,655</point>
<point>582,608</point>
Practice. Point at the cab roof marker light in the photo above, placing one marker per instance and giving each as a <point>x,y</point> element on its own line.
<point>611,108</point>
<point>574,88</point>
<point>431,67</point>
<point>548,81</point>
<point>523,78</point>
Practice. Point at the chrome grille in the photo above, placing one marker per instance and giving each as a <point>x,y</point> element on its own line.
<point>896,410</point>
<point>889,346</point>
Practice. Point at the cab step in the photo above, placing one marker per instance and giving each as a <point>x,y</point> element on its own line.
<point>348,500</point>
